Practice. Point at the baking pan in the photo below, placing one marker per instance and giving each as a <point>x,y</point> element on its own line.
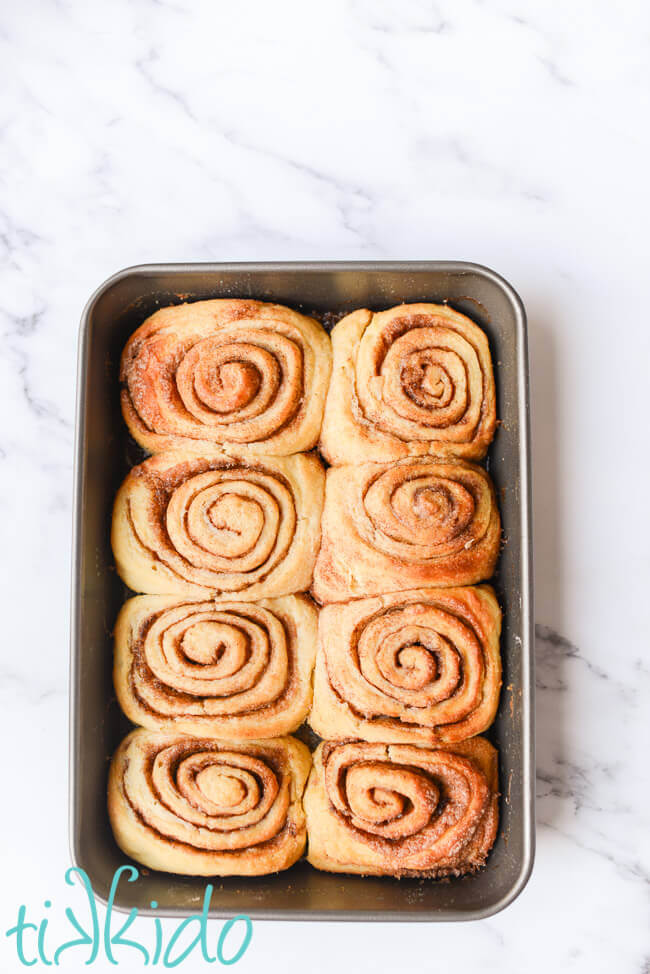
<point>104,452</point>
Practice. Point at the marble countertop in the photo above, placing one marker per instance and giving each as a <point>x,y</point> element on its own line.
<point>512,134</point>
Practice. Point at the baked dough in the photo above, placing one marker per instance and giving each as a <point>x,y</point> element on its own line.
<point>417,667</point>
<point>232,372</point>
<point>412,381</point>
<point>200,523</point>
<point>227,670</point>
<point>206,808</point>
<point>399,810</point>
<point>410,524</point>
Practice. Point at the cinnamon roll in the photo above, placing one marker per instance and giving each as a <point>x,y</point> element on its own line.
<point>412,381</point>
<point>411,524</point>
<point>418,667</point>
<point>231,372</point>
<point>204,808</point>
<point>400,810</point>
<point>233,669</point>
<point>209,523</point>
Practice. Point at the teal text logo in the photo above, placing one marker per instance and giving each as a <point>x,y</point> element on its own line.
<point>93,938</point>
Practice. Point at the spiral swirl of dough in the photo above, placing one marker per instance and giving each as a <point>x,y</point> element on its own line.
<point>197,523</point>
<point>404,525</point>
<point>415,667</point>
<point>232,372</point>
<point>232,669</point>
<point>188,805</point>
<point>414,380</point>
<point>423,511</point>
<point>401,810</point>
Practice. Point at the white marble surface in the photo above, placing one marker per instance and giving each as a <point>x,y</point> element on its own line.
<point>510,133</point>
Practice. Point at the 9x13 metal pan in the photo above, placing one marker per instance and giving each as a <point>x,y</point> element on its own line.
<point>104,453</point>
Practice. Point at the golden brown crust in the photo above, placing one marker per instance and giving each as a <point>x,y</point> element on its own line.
<point>399,810</point>
<point>415,380</point>
<point>202,808</point>
<point>239,373</point>
<point>410,524</point>
<point>226,670</point>
<point>418,667</point>
<point>199,523</point>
